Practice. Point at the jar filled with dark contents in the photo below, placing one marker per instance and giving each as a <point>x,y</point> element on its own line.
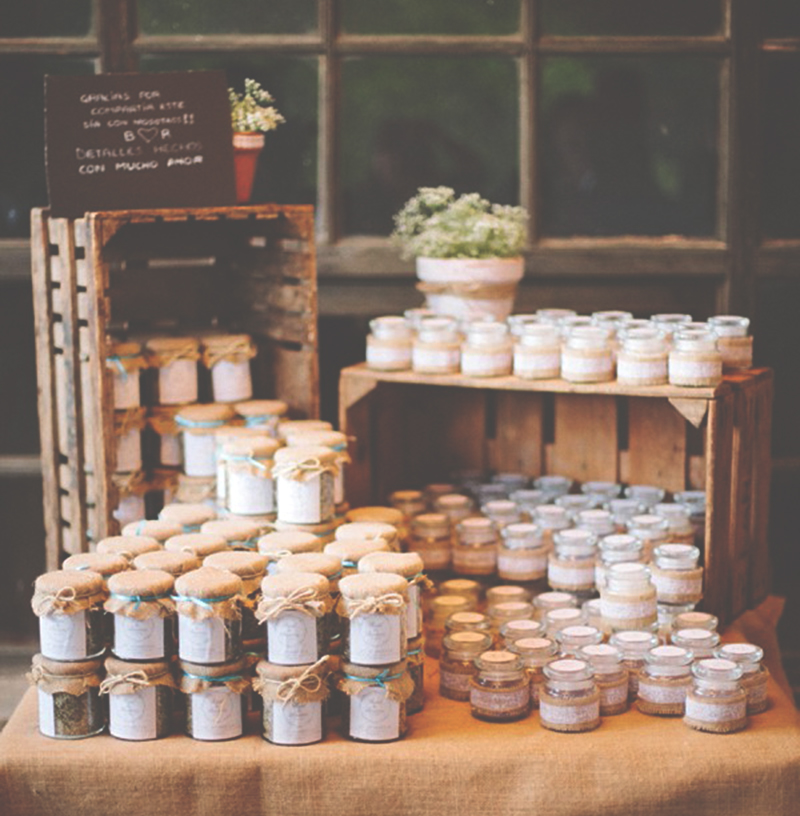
<point>415,659</point>
<point>457,665</point>
<point>216,699</point>
<point>500,691</point>
<point>251,567</point>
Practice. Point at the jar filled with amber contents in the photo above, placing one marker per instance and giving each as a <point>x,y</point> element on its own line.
<point>748,657</point>
<point>415,659</point>
<point>569,700</point>
<point>457,664</point>
<point>716,702</point>
<point>536,653</point>
<point>465,587</point>
<point>545,602</point>
<point>468,622</point>
<point>475,547</point>
<point>571,639</point>
<point>500,692</point>
<point>610,675</point>
<point>522,553</point>
<point>664,680</point>
<point>431,537</point>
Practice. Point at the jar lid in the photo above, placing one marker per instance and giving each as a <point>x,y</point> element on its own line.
<point>323,530</point>
<point>302,424</point>
<point>200,544</point>
<point>529,644</point>
<point>138,583</point>
<point>432,524</point>
<point>288,542</point>
<point>506,592</point>
<point>187,515</point>
<point>248,566</point>
<point>507,609</point>
<point>175,563</point>
<point>564,613</point>
<point>449,603</point>
<point>695,620</point>
<point>154,670</point>
<point>305,454</point>
<point>367,531</point>
<point>673,654</point>
<point>366,585</point>
<point>159,529</point>
<point>232,530</point>
<point>84,584</point>
<point>500,659</point>
<point>554,599</point>
<point>741,652</point>
<point>467,640</point>
<point>257,447</point>
<point>384,515</point>
<point>648,520</point>
<point>567,668</point>
<point>352,550</point>
<point>522,627</point>
<point>104,564</point>
<point>699,637</point>
<point>453,501</point>
<point>209,340</point>
<point>676,556</point>
<point>214,672</point>
<point>129,546</point>
<point>284,584</point>
<point>68,668</point>
<point>193,415</point>
<point>312,437</point>
<point>324,563</point>
<point>466,619</point>
<point>208,582</point>
<point>259,408</point>
<point>403,496</point>
<point>171,344</point>
<point>460,586</point>
<point>717,669</point>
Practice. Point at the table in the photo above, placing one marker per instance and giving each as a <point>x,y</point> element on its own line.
<point>449,764</point>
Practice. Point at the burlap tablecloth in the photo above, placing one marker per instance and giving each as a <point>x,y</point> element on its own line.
<point>449,764</point>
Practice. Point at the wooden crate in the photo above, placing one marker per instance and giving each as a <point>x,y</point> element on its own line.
<point>411,429</point>
<point>110,275</point>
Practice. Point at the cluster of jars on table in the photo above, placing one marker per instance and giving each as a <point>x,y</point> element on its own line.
<point>553,343</point>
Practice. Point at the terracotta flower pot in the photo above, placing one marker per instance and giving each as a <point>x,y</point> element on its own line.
<point>246,149</point>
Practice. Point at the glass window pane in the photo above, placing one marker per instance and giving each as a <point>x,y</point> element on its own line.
<point>46,18</point>
<point>781,18</point>
<point>239,17</point>
<point>631,18</point>
<point>413,122</point>
<point>22,173</point>
<point>426,17</point>
<point>780,199</point>
<point>628,145</point>
<point>287,167</point>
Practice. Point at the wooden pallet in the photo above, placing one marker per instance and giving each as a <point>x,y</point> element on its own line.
<point>114,274</point>
<point>411,429</point>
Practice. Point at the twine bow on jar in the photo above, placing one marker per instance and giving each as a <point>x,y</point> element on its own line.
<point>309,682</point>
<point>237,350</point>
<point>138,679</point>
<point>302,471</point>
<point>164,358</point>
<point>390,603</point>
<point>305,600</point>
<point>53,603</point>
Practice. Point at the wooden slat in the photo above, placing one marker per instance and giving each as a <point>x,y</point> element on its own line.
<point>356,400</point>
<point>585,446</point>
<point>656,444</point>
<point>760,572</point>
<point>518,446</point>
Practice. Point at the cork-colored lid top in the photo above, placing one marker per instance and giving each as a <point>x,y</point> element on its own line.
<point>289,541</point>
<point>370,584</point>
<point>68,668</point>
<point>449,603</point>
<point>201,544</point>
<point>258,408</point>
<point>351,551</point>
<point>104,564</point>
<point>323,529</point>
<point>209,340</point>
<point>175,563</point>
<point>246,565</point>
<point>229,432</point>
<point>385,515</point>
<point>437,524</point>
<point>166,344</point>
<point>159,529</point>
<point>187,514</point>
<point>366,530</point>
<point>208,582</point>
<point>305,453</point>
<point>324,563</point>
<point>209,412</point>
<point>255,446</point>
<point>129,546</point>
<point>231,529</point>
<point>284,584</point>
<point>408,564</point>
<point>124,349</point>
<point>116,667</point>
<point>325,439</point>
<point>84,583</point>
<point>233,669</point>
<point>141,583</point>
<point>298,424</point>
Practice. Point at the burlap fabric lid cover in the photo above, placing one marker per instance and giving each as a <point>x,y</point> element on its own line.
<point>104,564</point>
<point>175,563</point>
<point>261,408</point>
<point>187,514</point>
<point>250,453</point>
<point>374,593</point>
<point>304,463</point>
<point>368,530</point>
<point>67,677</point>
<point>129,546</point>
<point>409,565</point>
<point>394,679</point>
<point>124,677</point>
<point>383,515</point>
<point>200,544</point>
<point>197,677</point>
<point>209,592</point>
<point>416,653</point>
<point>125,357</point>
<point>279,545</point>
<point>159,529</point>
<point>352,550</point>
<point>235,348</point>
<point>314,437</point>
<point>250,567</point>
<point>161,418</point>
<point>141,594</point>
<point>306,592</point>
<point>324,563</point>
<point>161,351</point>
<point>228,433</point>
<point>67,592</point>
<point>232,530</point>
<point>293,425</point>
<point>292,684</point>
<point>204,419</point>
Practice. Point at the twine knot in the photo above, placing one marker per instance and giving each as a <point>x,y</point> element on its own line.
<point>134,678</point>
<point>391,602</point>
<point>309,681</point>
<point>303,600</point>
<point>56,602</point>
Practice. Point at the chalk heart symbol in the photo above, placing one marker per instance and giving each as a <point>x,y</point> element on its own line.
<point>148,134</point>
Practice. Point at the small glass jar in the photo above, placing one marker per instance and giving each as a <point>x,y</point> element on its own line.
<point>666,615</point>
<point>249,487</point>
<point>502,512</point>
<point>489,491</point>
<point>69,697</point>
<point>748,657</point>
<point>519,628</point>
<point>415,661</point>
<point>125,362</point>
<point>227,357</point>
<point>622,511</point>
<point>455,506</point>
<point>642,358</point>
<point>262,414</point>
<point>647,495</point>
<point>509,610</point>
<point>569,700</point>
<point>410,567</point>
<point>431,538</point>
<point>557,619</point>
<point>487,350</point>
<point>389,343</point>
<point>503,593</point>
<point>251,567</point>
<point>550,519</point>
<point>457,664</point>
<point>680,529</point>
<point>175,563</point>
<point>664,680</point>
<point>695,360</point>
<point>701,642</point>
<point>468,621</point>
<point>651,530</point>
<point>106,565</point>
<point>216,699</point>
<point>553,484</point>
<point>601,492</point>
<point>615,549</point>
<point>417,315</point>
<point>610,675</point>
<point>434,490</point>
<point>628,599</point>
<point>141,699</point>
<point>695,620</point>
<point>571,639</point>
<point>442,607</point>
<point>536,652</point>
<point>597,521</point>
<point>465,587</point>
<point>668,323</point>
<point>161,423</point>
<point>633,644</point>
<point>570,567</point>
<point>537,352</point>
<point>587,355</point>
<point>575,503</point>
<point>409,502</point>
<point>695,502</point>
<point>676,574</point>
<point>518,322</point>
<point>500,692</point>
<point>304,479</point>
<point>716,702</point>
<point>570,322</point>
<point>554,317</point>
<point>734,342</point>
<point>522,553</point>
<point>436,349</point>
<point>335,441</point>
<point>544,602</point>
<point>592,614</point>
<point>528,500</point>
<point>198,424</point>
<point>176,360</point>
<point>475,547</point>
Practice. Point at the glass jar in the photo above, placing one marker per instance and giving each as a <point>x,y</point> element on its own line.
<point>333,440</point>
<point>417,315</point>
<point>618,548</point>
<point>509,610</point>
<point>695,360</point>
<point>502,512</point>
<point>544,602</point>
<point>680,529</point>
<point>503,593</point>
<point>410,567</point>
<point>642,358</point>
<point>522,553</point>
<point>227,357</point>
<point>216,699</point>
<point>409,502</point>
<point>622,510</point>
<point>431,538</point>
<point>487,350</point>
<point>554,316</point>
<point>748,657</point>
<point>647,495</point>
<point>610,675</point>
<point>716,701</point>
<point>198,424</point>
<point>175,358</point>
<point>701,642</point>
<point>587,355</point>
<point>500,692</point>
<point>695,502</point>
<point>695,620</point>
<point>669,323</point>
<point>262,414</point>
<point>557,619</point>
<point>249,487</point>
<point>570,322</point>
<point>575,503</point>
<point>251,567</point>
<point>536,652</point>
<point>475,547</point>
<point>436,349</point>
<point>592,614</point>
<point>598,522</point>
<point>550,519</point>
<point>553,484</point>
<point>389,343</point>
<point>676,574</point>
<point>489,491</point>
<point>304,481</point>
<point>651,530</point>
<point>633,644</point>
<point>601,492</point>
<point>125,361</point>
<point>352,550</point>
<point>128,426</point>
<point>528,500</point>
<point>455,506</point>
<point>537,352</point>
<point>517,322</point>
<point>519,628</point>
<point>434,490</point>
<point>733,341</point>
<point>628,599</point>
<point>457,665</point>
<point>442,607</point>
<point>465,587</point>
<point>467,621</point>
<point>569,700</point>
<point>571,639</point>
<point>664,680</point>
<point>570,566</point>
<point>666,615</point>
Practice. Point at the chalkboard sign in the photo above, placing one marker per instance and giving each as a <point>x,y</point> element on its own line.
<point>138,141</point>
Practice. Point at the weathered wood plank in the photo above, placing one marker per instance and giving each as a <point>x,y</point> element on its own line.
<point>585,446</point>
<point>656,444</point>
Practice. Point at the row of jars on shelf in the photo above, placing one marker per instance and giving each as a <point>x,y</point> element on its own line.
<point>581,349</point>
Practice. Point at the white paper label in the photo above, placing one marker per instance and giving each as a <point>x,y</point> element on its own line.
<point>138,639</point>
<point>621,610</point>
<point>201,641</point>
<point>133,716</point>
<point>177,383</point>
<point>446,360</point>
<point>231,382</point>
<point>47,714</point>
<point>531,567</point>
<point>300,502</point>
<point>375,640</point>
<point>578,714</point>
<point>575,365</point>
<point>63,637</point>
<point>579,577</point>
<point>682,370</point>
<point>413,612</point>
<point>454,681</point>
<point>481,362</point>
<point>632,370</point>
<point>666,586</point>
<point>296,724</point>
<point>198,455</point>
<point>292,639</point>
<point>696,709</point>
<point>395,357</point>
<point>216,714</point>
<point>666,694</point>
<point>532,364</point>
<point>373,716</point>
<point>222,480</point>
<point>248,494</point>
